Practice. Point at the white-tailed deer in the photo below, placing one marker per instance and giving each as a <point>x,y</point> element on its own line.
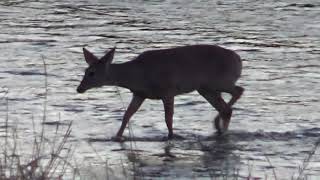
<point>165,73</point>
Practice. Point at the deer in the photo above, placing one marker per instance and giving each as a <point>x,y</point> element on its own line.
<point>163,74</point>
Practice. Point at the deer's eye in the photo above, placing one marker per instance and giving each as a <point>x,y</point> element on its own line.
<point>91,73</point>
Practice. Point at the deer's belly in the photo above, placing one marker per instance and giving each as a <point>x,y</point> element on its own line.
<point>161,91</point>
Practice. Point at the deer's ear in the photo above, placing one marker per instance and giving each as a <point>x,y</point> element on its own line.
<point>109,56</point>
<point>89,57</point>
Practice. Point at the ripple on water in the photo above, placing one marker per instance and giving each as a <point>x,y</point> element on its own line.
<point>279,45</point>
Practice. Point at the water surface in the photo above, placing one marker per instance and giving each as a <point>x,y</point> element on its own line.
<point>277,118</point>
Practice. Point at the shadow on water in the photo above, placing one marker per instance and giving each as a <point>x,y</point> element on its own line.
<point>233,136</point>
<point>220,158</point>
<point>207,156</point>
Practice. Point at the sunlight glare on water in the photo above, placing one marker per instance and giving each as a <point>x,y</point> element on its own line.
<point>278,116</point>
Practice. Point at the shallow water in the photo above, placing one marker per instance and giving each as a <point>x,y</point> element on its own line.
<point>277,118</point>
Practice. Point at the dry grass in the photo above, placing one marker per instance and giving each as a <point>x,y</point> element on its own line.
<point>306,161</point>
<point>48,159</point>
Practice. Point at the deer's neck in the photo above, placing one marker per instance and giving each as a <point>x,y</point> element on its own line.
<point>126,75</point>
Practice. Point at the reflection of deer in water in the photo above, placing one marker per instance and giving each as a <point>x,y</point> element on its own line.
<point>165,73</point>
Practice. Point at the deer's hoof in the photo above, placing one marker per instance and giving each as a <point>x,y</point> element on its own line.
<point>220,125</point>
<point>174,137</point>
<point>118,138</point>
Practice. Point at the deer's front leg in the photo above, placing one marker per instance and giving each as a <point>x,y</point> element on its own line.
<point>168,104</point>
<point>132,108</point>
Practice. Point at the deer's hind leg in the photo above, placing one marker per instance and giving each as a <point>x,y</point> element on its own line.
<point>236,93</point>
<point>215,99</point>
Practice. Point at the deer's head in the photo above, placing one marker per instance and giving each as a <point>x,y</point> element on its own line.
<point>97,73</point>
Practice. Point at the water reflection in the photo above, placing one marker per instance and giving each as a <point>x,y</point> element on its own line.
<point>279,42</point>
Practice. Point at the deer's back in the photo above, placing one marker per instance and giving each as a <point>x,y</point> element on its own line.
<point>184,69</point>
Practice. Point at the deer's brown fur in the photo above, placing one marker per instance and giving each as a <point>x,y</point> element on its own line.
<point>165,73</point>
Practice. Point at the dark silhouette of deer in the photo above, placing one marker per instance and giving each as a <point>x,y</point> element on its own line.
<point>165,73</point>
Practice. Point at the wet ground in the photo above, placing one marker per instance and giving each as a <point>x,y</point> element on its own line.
<point>277,120</point>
